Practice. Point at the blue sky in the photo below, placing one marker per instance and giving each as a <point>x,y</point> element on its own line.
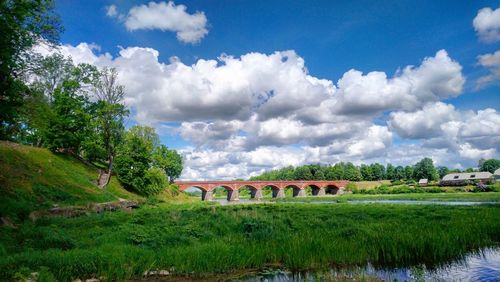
<point>331,37</point>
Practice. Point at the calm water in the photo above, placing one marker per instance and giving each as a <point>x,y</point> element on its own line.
<point>483,266</point>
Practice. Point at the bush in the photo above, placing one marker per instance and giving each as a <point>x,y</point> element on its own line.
<point>155,181</point>
<point>351,186</point>
<point>396,182</point>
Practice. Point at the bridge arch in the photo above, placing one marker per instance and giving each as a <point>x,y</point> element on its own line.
<point>232,193</point>
<point>206,193</point>
<point>255,193</point>
<point>316,190</point>
<point>298,191</point>
<point>331,189</point>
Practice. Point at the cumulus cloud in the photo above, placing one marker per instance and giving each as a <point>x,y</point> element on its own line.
<point>468,133</point>
<point>487,24</point>
<point>492,63</point>
<point>425,123</point>
<point>436,78</point>
<point>257,111</point>
<point>166,16</point>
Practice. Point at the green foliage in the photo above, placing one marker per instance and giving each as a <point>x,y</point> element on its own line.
<point>142,163</point>
<point>401,189</point>
<point>23,24</point>
<point>168,160</point>
<point>490,165</point>
<point>69,125</point>
<point>425,169</point>
<point>155,181</point>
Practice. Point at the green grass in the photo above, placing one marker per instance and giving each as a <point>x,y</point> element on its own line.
<point>202,239</point>
<point>34,178</point>
<point>458,196</point>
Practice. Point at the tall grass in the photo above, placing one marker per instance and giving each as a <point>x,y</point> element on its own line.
<point>201,239</point>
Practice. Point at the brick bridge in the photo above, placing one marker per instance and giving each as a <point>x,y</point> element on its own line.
<point>278,187</point>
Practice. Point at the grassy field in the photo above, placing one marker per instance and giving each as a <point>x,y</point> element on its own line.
<point>203,238</point>
<point>34,178</point>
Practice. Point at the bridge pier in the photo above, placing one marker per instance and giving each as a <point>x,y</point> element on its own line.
<point>278,193</point>
<point>319,192</point>
<point>299,192</point>
<point>233,195</point>
<point>207,195</point>
<point>256,194</point>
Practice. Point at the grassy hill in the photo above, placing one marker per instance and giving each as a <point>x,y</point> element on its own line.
<point>35,178</point>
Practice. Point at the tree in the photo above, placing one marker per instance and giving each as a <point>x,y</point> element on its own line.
<point>69,125</point>
<point>23,24</point>
<point>408,172</point>
<point>490,165</point>
<point>303,173</point>
<point>134,157</point>
<point>442,171</point>
<point>390,171</point>
<point>110,112</point>
<point>378,171</point>
<point>425,169</point>
<point>366,172</point>
<point>169,161</point>
<point>399,173</point>
<point>319,175</point>
<point>50,72</point>
<point>336,172</point>
<point>352,173</point>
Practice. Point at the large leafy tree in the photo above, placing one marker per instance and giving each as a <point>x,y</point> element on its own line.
<point>425,169</point>
<point>69,125</point>
<point>135,156</point>
<point>23,23</point>
<point>490,165</point>
<point>169,161</point>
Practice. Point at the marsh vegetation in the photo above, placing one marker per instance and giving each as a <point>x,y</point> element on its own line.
<point>204,238</point>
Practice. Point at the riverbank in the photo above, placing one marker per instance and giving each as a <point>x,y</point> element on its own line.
<point>203,239</point>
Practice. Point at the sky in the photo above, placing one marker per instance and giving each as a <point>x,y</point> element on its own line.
<point>241,87</point>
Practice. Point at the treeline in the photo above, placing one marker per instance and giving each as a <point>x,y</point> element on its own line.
<point>347,171</point>
<point>48,101</point>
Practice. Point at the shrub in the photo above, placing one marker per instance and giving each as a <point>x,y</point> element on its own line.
<point>351,186</point>
<point>155,181</point>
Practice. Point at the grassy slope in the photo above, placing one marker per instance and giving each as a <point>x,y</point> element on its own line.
<point>34,178</point>
<point>204,238</point>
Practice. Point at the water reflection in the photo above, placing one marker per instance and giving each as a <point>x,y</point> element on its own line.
<point>483,266</point>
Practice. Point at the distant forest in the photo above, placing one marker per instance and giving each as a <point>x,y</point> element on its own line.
<point>347,171</point>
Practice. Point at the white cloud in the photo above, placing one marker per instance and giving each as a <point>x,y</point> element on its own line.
<point>487,24</point>
<point>425,123</point>
<point>263,111</point>
<point>436,78</point>
<point>492,63</point>
<point>111,11</point>
<point>189,28</point>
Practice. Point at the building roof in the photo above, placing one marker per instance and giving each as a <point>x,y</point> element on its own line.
<point>423,181</point>
<point>467,176</point>
<point>497,172</point>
